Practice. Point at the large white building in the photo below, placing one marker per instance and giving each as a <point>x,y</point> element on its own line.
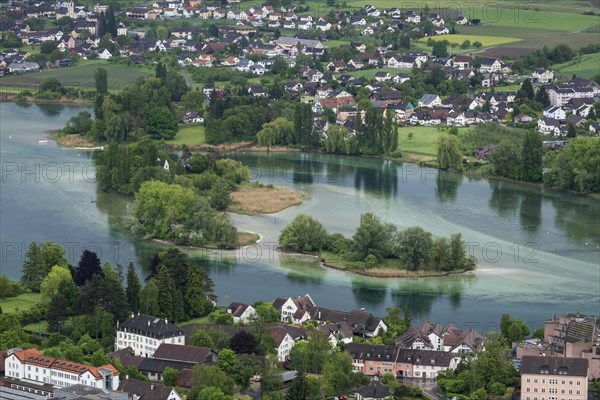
<point>30,365</point>
<point>144,333</point>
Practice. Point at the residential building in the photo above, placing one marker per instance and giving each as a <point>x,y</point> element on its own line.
<point>542,75</point>
<point>373,391</point>
<point>141,390</point>
<point>337,332</point>
<point>241,312</point>
<point>31,365</point>
<point>144,334</point>
<point>556,378</point>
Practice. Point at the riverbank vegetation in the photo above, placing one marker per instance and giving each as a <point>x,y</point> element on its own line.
<point>180,200</point>
<point>379,249</point>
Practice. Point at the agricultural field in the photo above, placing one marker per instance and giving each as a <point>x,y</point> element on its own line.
<point>329,44</point>
<point>189,135</point>
<point>586,66</point>
<point>484,40</point>
<point>21,302</point>
<point>80,76</point>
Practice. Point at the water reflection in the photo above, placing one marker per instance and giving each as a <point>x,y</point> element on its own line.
<point>382,180</point>
<point>578,218</point>
<point>447,184</point>
<point>507,199</point>
<point>51,110</point>
<point>419,296</point>
<point>370,293</point>
<point>302,269</point>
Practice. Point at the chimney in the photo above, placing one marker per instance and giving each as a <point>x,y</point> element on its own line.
<point>148,323</point>
<point>152,387</point>
<point>126,376</point>
<point>166,321</point>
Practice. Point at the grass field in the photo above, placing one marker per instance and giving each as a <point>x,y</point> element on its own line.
<point>190,135</point>
<point>22,302</point>
<point>424,140</point>
<point>37,327</point>
<point>484,40</point>
<point>370,73</point>
<point>81,76</point>
<point>585,66</point>
<point>335,43</point>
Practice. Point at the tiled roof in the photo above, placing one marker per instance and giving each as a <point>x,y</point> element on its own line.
<point>147,325</point>
<point>554,365</point>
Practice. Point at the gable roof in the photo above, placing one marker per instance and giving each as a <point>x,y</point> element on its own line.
<point>147,325</point>
<point>145,390</point>
<point>374,390</point>
<point>191,354</point>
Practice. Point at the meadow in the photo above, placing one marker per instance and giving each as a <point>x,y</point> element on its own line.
<point>423,141</point>
<point>370,73</point>
<point>189,135</point>
<point>484,40</point>
<point>80,76</point>
<point>21,302</point>
<point>586,66</point>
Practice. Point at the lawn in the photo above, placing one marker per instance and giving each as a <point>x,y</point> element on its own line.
<point>370,73</point>
<point>335,43</point>
<point>22,302</point>
<point>424,140</point>
<point>585,66</point>
<point>81,75</point>
<point>189,135</point>
<point>37,327</point>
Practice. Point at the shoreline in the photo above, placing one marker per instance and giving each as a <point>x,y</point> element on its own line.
<point>384,273</point>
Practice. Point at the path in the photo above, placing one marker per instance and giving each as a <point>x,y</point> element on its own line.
<point>185,77</point>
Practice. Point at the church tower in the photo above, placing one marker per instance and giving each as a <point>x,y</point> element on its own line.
<point>71,9</point>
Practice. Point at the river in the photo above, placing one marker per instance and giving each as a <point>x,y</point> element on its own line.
<point>538,250</point>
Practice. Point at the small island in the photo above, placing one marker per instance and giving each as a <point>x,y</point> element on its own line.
<point>379,249</point>
<point>256,198</point>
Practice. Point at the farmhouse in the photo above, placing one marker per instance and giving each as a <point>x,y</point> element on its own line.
<point>241,312</point>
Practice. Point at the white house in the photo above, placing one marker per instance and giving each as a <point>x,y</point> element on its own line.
<point>337,332</point>
<point>490,65</point>
<point>554,112</point>
<point>548,126</point>
<point>430,100</point>
<point>241,313</point>
<point>295,308</point>
<point>141,390</point>
<point>542,75</point>
<point>284,343</point>
<point>104,54</point>
<point>31,365</point>
<point>144,333</point>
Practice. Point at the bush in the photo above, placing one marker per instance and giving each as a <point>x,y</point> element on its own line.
<point>497,388</point>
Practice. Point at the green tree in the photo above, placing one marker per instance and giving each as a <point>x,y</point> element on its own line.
<point>169,376</point>
<point>413,247</point>
<point>193,101</point>
<point>266,312</point>
<point>389,133</point>
<point>526,91</point>
<point>104,293</point>
<point>47,47</point>
<point>52,85</point>
<point>164,283</point>
<point>111,23</point>
<point>372,237</point>
<point>149,299</point>
<point>88,266</point>
<point>542,97</point>
<point>531,157</point>
<point>228,361</point>
<point>33,268</point>
<point>201,338</point>
<point>448,153</point>
<point>338,375</point>
<point>304,132</point>
<point>244,342</point>
<point>571,131</point>
<point>303,388</point>
<point>101,79</point>
<point>160,123</point>
<point>304,233</point>
<point>212,393</point>
<point>133,288</point>
<point>57,312</point>
<point>197,298</point>
<point>162,33</point>
<point>51,284</point>
<point>204,376</point>
<point>458,255</point>
<point>440,49</point>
